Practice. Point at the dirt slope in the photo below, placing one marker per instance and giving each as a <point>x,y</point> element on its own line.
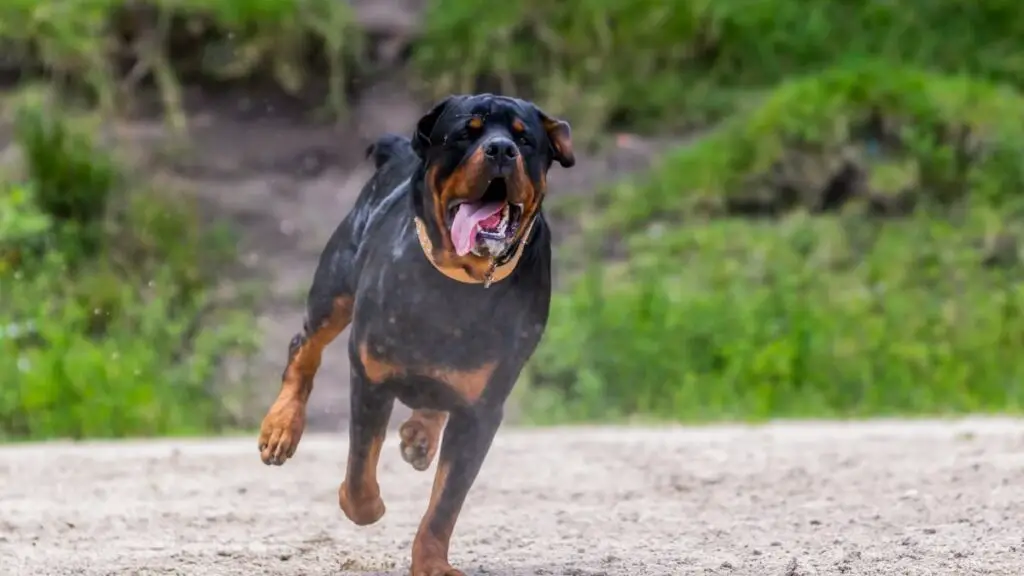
<point>923,498</point>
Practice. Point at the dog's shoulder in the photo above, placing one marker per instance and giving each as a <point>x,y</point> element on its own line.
<point>394,164</point>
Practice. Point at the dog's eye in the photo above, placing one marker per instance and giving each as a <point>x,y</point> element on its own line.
<point>460,137</point>
<point>523,140</point>
<point>474,125</point>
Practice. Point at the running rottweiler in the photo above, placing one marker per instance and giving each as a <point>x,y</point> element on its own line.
<point>443,268</point>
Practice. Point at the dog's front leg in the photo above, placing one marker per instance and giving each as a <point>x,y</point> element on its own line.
<point>467,439</point>
<point>284,423</point>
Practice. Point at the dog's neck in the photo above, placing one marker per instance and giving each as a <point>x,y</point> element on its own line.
<point>429,234</point>
<point>496,273</point>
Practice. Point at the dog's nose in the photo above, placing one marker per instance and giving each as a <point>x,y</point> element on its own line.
<point>501,149</point>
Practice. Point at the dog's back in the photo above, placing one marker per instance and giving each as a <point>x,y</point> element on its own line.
<point>395,161</point>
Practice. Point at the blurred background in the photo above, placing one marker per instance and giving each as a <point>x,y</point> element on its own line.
<point>780,208</point>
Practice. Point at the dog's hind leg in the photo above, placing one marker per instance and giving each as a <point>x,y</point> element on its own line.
<point>421,435</point>
<point>285,421</point>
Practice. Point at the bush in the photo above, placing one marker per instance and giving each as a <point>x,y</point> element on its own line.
<point>22,225</point>
<point>651,63</point>
<point>71,180</point>
<point>134,365</point>
<point>809,309</point>
<point>104,341</point>
<point>807,317</point>
<point>827,134</point>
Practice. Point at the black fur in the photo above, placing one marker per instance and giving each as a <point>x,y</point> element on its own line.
<point>410,315</point>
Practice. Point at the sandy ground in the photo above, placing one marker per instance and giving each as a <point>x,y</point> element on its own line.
<point>922,498</point>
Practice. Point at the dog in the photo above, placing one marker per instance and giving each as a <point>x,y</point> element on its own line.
<point>443,269</point>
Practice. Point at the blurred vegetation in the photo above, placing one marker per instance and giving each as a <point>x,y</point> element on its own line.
<point>676,63</point>
<point>106,49</point>
<point>844,241</point>
<point>847,248</point>
<point>637,64</point>
<point>109,324</point>
<point>105,285</point>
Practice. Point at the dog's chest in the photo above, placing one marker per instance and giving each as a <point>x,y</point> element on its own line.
<point>439,326</point>
<point>436,350</point>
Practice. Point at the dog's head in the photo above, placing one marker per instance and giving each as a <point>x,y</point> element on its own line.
<point>486,160</point>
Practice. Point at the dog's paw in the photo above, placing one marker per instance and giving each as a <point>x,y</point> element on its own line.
<point>281,430</point>
<point>438,568</point>
<point>419,443</point>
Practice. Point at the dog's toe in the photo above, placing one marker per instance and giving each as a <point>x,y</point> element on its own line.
<point>280,433</point>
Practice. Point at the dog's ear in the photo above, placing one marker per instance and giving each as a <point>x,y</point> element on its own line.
<point>560,136</point>
<point>425,126</point>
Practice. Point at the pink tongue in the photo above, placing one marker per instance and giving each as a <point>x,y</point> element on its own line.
<point>467,223</point>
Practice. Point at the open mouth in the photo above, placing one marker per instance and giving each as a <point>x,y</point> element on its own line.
<point>489,223</point>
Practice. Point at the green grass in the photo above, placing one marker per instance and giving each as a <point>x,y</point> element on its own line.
<point>963,136</point>
<point>808,317</point>
<point>712,315</point>
<point>108,327</point>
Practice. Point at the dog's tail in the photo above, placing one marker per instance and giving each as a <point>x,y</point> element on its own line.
<point>387,148</point>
